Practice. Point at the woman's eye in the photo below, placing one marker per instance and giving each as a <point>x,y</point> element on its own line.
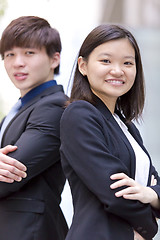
<point>128,63</point>
<point>105,61</point>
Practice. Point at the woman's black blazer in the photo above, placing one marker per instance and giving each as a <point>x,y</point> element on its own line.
<point>93,147</point>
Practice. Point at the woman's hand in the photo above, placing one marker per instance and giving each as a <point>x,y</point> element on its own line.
<point>134,191</point>
<point>10,169</point>
<point>153,181</point>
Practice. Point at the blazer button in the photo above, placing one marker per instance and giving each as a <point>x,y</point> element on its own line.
<point>139,229</point>
<point>144,232</point>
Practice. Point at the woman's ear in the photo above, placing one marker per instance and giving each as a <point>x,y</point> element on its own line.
<point>82,66</point>
<point>55,60</point>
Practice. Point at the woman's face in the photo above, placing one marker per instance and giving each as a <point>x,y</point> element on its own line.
<point>110,69</point>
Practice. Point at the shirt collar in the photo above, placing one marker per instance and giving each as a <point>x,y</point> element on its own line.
<point>37,90</point>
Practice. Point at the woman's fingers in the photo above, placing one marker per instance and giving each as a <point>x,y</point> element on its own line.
<point>120,183</point>
<point>153,181</point>
<point>128,193</point>
<point>122,180</point>
<point>133,190</point>
<point>117,176</point>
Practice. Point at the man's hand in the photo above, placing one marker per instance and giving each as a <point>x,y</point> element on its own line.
<point>10,169</point>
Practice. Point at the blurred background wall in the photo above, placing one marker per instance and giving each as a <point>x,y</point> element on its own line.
<point>75,19</point>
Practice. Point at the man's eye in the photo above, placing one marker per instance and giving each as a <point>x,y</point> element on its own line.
<point>8,55</point>
<point>29,53</point>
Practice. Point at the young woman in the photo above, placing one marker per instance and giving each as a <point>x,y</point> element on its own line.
<point>109,170</point>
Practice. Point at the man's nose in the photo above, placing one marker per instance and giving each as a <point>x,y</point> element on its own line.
<point>19,61</point>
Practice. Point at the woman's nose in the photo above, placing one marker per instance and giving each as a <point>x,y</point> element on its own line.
<point>117,71</point>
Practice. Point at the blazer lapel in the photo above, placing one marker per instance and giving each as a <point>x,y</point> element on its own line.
<point>109,117</point>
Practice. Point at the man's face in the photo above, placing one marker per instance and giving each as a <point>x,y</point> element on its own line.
<point>29,67</point>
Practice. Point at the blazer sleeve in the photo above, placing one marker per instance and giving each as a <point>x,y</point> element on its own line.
<point>153,171</point>
<point>38,145</point>
<point>156,188</point>
<point>87,151</point>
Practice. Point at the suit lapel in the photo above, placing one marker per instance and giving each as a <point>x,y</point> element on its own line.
<point>46,92</point>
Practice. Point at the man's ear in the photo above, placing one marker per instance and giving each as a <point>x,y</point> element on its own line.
<point>82,66</point>
<point>55,60</point>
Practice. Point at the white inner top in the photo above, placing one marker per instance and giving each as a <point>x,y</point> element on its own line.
<point>142,160</point>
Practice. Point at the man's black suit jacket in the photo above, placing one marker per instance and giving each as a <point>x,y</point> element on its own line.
<point>93,147</point>
<point>30,209</point>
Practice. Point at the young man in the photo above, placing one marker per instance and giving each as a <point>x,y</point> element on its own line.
<point>29,203</point>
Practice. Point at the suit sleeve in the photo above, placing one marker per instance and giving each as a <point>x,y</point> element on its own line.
<point>38,145</point>
<point>86,149</point>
